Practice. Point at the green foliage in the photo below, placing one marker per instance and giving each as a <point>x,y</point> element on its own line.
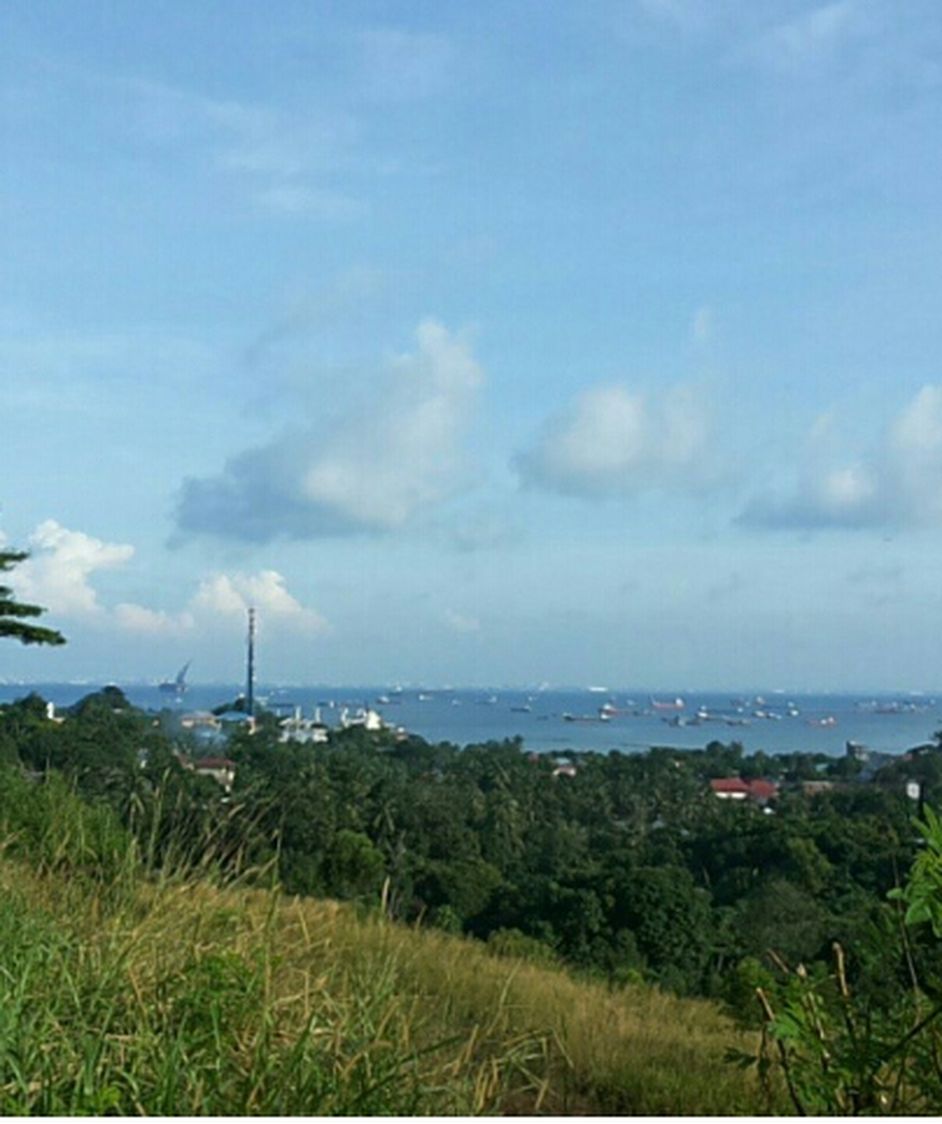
<point>841,1053</point>
<point>15,615</point>
<point>353,865</point>
<point>48,823</point>
<point>923,892</point>
<point>781,916</point>
<point>629,870</point>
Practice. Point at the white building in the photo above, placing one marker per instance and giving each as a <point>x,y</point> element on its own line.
<point>306,731</point>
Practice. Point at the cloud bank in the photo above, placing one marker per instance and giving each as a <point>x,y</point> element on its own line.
<point>896,483</point>
<point>59,575</point>
<point>374,472</point>
<point>230,595</point>
<point>612,441</point>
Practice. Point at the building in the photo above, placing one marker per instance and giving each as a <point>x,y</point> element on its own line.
<point>199,720</point>
<point>368,718</point>
<point>757,791</point>
<point>230,719</point>
<point>219,769</point>
<point>565,769</point>
<point>306,731</point>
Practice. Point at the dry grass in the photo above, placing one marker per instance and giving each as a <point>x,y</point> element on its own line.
<point>190,998</point>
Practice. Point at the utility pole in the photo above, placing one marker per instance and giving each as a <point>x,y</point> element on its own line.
<point>250,667</point>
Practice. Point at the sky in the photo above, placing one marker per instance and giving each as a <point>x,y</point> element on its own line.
<point>492,343</point>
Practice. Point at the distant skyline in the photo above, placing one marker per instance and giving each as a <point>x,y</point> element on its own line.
<point>475,343</point>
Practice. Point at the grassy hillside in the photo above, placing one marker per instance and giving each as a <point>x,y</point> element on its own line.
<point>184,997</point>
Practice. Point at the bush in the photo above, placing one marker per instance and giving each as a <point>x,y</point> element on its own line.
<point>511,942</point>
<point>47,823</point>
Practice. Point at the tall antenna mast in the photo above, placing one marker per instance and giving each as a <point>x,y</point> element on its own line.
<point>250,667</point>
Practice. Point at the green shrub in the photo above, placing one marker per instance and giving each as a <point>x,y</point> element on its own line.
<point>47,823</point>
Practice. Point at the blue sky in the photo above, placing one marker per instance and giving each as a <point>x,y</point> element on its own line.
<point>476,343</point>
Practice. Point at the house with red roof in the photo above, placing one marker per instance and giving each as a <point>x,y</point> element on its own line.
<point>759,791</point>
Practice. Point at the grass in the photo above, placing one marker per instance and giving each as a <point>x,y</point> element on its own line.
<point>184,997</point>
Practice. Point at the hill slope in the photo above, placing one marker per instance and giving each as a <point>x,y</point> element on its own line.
<point>183,997</point>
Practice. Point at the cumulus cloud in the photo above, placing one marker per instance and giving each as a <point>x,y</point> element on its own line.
<point>896,482</point>
<point>230,595</point>
<point>373,472</point>
<point>151,622</point>
<point>57,573</point>
<point>225,598</point>
<point>612,441</point>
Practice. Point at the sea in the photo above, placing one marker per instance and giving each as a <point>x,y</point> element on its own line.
<point>576,718</point>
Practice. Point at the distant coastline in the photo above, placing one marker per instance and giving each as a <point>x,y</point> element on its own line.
<point>579,718</point>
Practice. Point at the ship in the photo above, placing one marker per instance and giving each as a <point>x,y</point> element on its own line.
<point>673,704</point>
<point>179,685</point>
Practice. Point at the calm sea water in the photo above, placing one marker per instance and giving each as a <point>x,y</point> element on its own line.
<point>569,719</point>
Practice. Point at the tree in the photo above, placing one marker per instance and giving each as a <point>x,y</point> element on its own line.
<point>13,613</point>
<point>841,1054</point>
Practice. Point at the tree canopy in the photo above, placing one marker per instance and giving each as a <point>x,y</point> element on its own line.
<point>15,615</point>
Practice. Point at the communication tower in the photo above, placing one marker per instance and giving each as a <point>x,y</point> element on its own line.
<point>250,667</point>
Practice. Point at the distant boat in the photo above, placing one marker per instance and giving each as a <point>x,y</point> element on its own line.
<point>671,704</point>
<point>179,685</point>
<point>610,710</point>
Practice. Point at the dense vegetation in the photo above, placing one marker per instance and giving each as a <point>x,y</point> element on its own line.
<point>629,871</point>
<point>141,975</point>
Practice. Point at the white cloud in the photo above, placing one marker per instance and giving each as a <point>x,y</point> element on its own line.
<point>225,597</point>
<point>151,622</point>
<point>231,595</point>
<point>613,441</point>
<point>61,562</point>
<point>897,482</point>
<point>59,570</point>
<point>375,470</point>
